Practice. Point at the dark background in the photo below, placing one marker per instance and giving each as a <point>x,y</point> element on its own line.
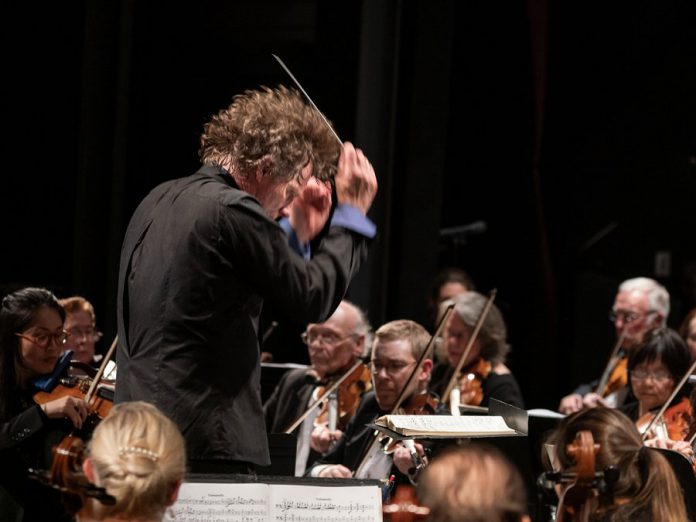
<point>569,128</point>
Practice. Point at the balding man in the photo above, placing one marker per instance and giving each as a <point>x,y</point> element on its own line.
<point>334,347</point>
<point>641,305</point>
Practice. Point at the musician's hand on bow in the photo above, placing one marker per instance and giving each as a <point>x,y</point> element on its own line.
<point>403,460</point>
<point>593,399</point>
<point>335,471</point>
<point>356,183</point>
<point>323,438</point>
<point>570,404</point>
<point>680,446</point>
<point>310,210</point>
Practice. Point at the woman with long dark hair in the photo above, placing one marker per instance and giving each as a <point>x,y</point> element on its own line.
<point>31,340</point>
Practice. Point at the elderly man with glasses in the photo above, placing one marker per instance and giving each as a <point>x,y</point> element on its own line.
<point>334,348</point>
<point>641,305</point>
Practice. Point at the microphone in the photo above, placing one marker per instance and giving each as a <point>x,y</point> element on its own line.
<point>477,227</point>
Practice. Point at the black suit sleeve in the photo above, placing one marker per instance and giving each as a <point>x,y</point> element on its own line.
<point>19,428</point>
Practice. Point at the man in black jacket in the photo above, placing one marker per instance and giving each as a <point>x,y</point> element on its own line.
<point>202,253</point>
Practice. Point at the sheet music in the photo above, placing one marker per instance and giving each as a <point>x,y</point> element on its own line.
<point>233,502</point>
<point>444,425</point>
<point>215,502</point>
<point>325,504</point>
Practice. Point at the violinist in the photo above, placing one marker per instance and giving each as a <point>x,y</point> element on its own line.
<point>654,369</point>
<point>396,349</point>
<point>138,455</point>
<point>640,306</point>
<point>646,488</point>
<point>484,374</point>
<point>80,323</point>
<point>334,346</point>
<point>31,339</point>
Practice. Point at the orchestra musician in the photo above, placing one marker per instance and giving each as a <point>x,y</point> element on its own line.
<point>641,305</point>
<point>81,324</point>
<point>202,253</point>
<point>395,352</point>
<point>654,369</point>
<point>138,455</point>
<point>486,360</point>
<point>646,488</point>
<point>334,346</point>
<point>31,340</point>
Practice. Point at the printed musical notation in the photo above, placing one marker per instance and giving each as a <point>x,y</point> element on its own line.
<point>231,502</point>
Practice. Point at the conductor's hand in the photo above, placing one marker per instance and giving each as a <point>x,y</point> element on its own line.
<point>67,407</point>
<point>570,403</point>
<point>336,471</point>
<point>356,183</point>
<point>323,438</point>
<point>310,210</point>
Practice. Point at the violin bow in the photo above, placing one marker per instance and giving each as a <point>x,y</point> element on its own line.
<point>100,372</point>
<point>674,393</point>
<point>402,395</point>
<point>292,77</point>
<point>611,363</point>
<point>484,313</point>
<point>326,394</point>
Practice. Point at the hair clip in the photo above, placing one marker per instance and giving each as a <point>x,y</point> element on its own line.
<point>137,450</point>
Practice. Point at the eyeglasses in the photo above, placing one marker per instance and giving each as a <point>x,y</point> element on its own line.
<point>392,368</point>
<point>658,376</point>
<point>84,335</point>
<point>627,316</point>
<point>325,339</point>
<point>43,340</point>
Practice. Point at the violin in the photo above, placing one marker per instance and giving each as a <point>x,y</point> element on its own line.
<point>357,370</point>
<point>471,381</point>
<point>673,423</point>
<point>66,473</point>
<point>343,402</point>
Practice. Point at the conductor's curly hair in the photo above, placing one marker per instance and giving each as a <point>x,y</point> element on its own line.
<point>272,131</point>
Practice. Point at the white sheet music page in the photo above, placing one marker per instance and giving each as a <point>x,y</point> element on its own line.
<point>216,502</point>
<point>325,504</point>
<point>435,426</point>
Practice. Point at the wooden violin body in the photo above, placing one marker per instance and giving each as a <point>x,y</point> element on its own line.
<point>674,423</point>
<point>471,382</point>
<point>349,393</point>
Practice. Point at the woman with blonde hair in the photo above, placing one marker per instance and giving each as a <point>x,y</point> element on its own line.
<point>646,488</point>
<point>138,456</point>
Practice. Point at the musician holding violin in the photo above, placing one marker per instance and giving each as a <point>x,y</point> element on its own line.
<point>641,305</point>
<point>484,374</point>
<point>654,370</point>
<point>31,340</point>
<point>397,347</point>
<point>334,348</point>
